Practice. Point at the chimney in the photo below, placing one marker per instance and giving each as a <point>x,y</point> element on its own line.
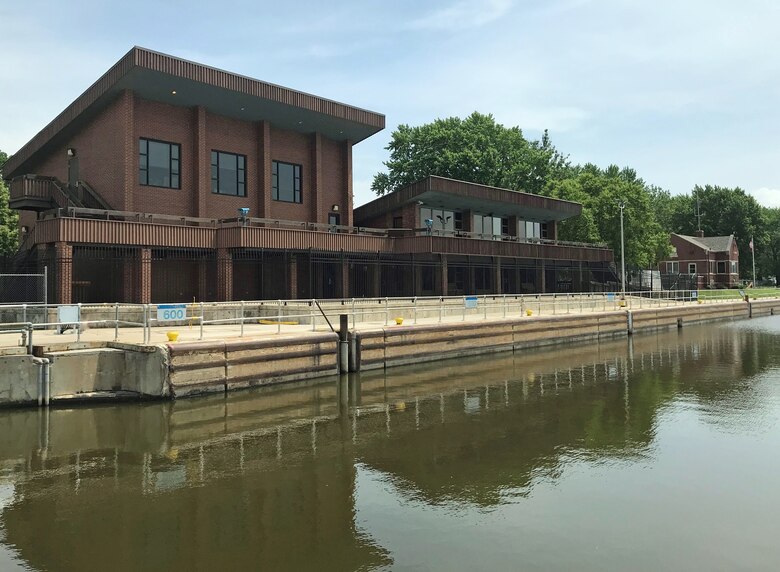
<point>700,233</point>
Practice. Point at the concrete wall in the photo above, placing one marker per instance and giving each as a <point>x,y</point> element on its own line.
<point>397,345</point>
<point>87,371</point>
<point>18,380</point>
<point>209,367</point>
<point>120,370</point>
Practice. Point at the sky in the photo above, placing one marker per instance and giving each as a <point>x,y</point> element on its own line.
<point>685,92</point>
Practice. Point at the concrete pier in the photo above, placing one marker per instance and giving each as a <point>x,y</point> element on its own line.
<point>91,370</point>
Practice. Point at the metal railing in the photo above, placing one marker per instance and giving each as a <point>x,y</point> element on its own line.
<point>252,222</point>
<point>235,319</point>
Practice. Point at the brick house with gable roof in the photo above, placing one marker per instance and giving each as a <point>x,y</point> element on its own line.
<point>714,260</point>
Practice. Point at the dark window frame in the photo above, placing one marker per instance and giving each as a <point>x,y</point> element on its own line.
<point>240,185</point>
<point>143,171</point>
<point>297,190</point>
<point>725,266</point>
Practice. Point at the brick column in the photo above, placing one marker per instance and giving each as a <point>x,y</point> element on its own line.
<point>128,278</point>
<point>63,260</point>
<point>201,165</point>
<point>347,214</point>
<point>263,205</point>
<point>376,279</point>
<point>445,275</point>
<point>292,277</point>
<point>497,286</point>
<point>540,276</point>
<point>144,282</point>
<point>316,177</point>
<point>130,143</point>
<point>224,275</point>
<point>344,278</point>
<point>202,280</point>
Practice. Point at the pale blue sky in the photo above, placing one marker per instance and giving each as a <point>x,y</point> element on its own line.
<point>684,91</point>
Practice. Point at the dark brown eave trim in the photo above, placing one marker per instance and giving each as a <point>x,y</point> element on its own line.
<point>397,199</point>
<point>177,67</point>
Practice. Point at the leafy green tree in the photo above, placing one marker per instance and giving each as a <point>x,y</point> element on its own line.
<point>9,219</point>
<point>769,257</point>
<point>601,193</point>
<point>475,149</point>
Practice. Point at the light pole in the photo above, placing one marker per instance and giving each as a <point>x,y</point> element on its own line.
<point>622,254</point>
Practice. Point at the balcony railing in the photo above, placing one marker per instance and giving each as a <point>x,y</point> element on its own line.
<point>248,222</point>
<point>37,193</point>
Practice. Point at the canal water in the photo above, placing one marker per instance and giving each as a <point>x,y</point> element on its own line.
<point>656,452</point>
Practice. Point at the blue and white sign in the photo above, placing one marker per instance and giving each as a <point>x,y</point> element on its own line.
<point>470,301</point>
<point>171,312</point>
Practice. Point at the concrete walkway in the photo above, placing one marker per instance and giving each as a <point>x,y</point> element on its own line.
<point>190,332</point>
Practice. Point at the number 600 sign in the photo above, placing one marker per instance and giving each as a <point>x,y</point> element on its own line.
<point>171,312</point>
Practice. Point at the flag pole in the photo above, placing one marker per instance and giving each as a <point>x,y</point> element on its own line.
<point>753,252</point>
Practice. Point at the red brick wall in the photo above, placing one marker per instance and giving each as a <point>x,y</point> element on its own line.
<point>409,214</point>
<point>99,148</point>
<point>333,188</point>
<point>232,136</point>
<point>291,147</point>
<point>164,122</point>
<point>108,157</point>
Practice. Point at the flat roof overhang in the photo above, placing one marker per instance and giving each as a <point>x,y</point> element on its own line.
<point>156,77</point>
<point>450,194</point>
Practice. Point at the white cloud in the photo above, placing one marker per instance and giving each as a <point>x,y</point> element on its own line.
<point>462,15</point>
<point>767,197</point>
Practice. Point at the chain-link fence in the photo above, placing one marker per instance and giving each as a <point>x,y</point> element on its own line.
<point>23,288</point>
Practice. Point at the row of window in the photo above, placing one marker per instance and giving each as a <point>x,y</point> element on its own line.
<point>716,267</point>
<point>482,224</point>
<point>159,164</point>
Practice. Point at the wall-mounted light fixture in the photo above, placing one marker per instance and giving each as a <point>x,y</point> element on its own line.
<point>25,229</point>
<point>335,208</point>
<point>71,152</point>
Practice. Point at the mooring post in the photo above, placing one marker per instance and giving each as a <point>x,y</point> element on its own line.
<point>343,343</point>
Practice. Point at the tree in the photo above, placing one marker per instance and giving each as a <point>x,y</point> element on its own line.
<point>475,149</point>
<point>601,192</point>
<point>9,219</point>
<point>769,257</point>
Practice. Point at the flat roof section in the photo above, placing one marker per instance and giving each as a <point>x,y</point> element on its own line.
<point>451,194</point>
<point>155,76</point>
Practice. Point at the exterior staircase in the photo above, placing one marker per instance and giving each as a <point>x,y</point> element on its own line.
<point>38,193</point>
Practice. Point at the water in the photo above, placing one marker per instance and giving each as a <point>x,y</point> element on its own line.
<point>659,452</point>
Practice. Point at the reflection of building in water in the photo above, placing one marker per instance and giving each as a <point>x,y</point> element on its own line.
<point>265,480</point>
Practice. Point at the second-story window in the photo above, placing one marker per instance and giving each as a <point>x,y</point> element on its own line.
<point>159,163</point>
<point>228,174</point>
<point>286,182</point>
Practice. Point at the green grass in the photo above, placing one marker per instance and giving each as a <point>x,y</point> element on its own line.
<point>725,294</point>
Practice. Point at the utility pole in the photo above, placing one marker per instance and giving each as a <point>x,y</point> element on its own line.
<point>753,252</point>
<point>622,254</point>
<point>698,212</point>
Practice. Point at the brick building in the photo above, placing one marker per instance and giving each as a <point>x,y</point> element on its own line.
<point>711,261</point>
<point>169,181</point>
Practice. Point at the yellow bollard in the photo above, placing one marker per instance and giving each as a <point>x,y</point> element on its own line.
<point>172,336</point>
<point>529,312</point>
<point>399,321</point>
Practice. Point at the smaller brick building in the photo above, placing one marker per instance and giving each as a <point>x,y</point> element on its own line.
<point>714,260</point>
